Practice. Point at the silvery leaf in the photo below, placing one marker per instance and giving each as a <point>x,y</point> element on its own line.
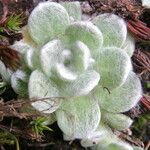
<point>47,21</point>
<point>122,98</point>
<point>114,65</point>
<point>5,73</point>
<point>20,46</point>
<point>129,45</point>
<point>43,88</point>
<point>50,56</point>
<point>81,57</point>
<point>19,83</point>
<point>32,59</point>
<point>118,145</point>
<point>82,85</point>
<point>146,3</point>
<point>116,121</point>
<point>102,135</point>
<point>87,33</point>
<point>73,9</point>
<point>113,28</point>
<point>78,117</point>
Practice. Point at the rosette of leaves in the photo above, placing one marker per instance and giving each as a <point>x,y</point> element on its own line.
<point>80,70</point>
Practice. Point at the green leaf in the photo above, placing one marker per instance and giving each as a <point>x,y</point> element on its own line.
<point>20,46</point>
<point>113,28</point>
<point>32,58</point>
<point>78,117</point>
<point>81,57</point>
<point>122,98</point>
<point>87,33</point>
<point>50,55</point>
<point>5,72</point>
<point>146,3</point>
<point>19,83</point>
<point>43,88</point>
<point>82,85</point>
<point>47,21</point>
<point>116,121</point>
<point>129,45</point>
<point>73,9</point>
<point>114,65</point>
<point>118,145</point>
<point>102,135</point>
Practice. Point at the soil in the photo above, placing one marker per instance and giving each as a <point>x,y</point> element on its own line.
<point>54,140</point>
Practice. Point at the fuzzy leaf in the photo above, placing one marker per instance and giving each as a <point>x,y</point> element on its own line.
<point>82,85</point>
<point>114,65</point>
<point>129,45</point>
<point>78,117</point>
<point>117,121</point>
<point>118,146</point>
<point>146,3</point>
<point>81,58</point>
<point>47,21</point>
<point>19,83</point>
<point>50,55</point>
<point>102,135</point>
<point>65,73</point>
<point>5,73</point>
<point>42,87</point>
<point>32,59</point>
<point>73,9</point>
<point>113,28</point>
<point>20,46</point>
<point>87,33</point>
<point>122,98</point>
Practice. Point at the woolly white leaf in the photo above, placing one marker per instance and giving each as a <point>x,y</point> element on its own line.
<point>114,65</point>
<point>117,121</point>
<point>82,85</point>
<point>50,55</point>
<point>65,73</point>
<point>118,145</point>
<point>73,9</point>
<point>42,87</point>
<point>20,46</point>
<point>32,59</point>
<point>146,3</point>
<point>102,135</point>
<point>87,33</point>
<point>47,21</point>
<point>122,98</point>
<point>27,37</point>
<point>5,73</point>
<point>113,28</point>
<point>78,117</point>
<point>129,45</point>
<point>81,58</point>
<point>19,83</point>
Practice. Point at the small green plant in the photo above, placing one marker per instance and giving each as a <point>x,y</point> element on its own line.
<point>11,24</point>
<point>38,126</point>
<point>14,22</point>
<point>88,64</point>
<point>8,138</point>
